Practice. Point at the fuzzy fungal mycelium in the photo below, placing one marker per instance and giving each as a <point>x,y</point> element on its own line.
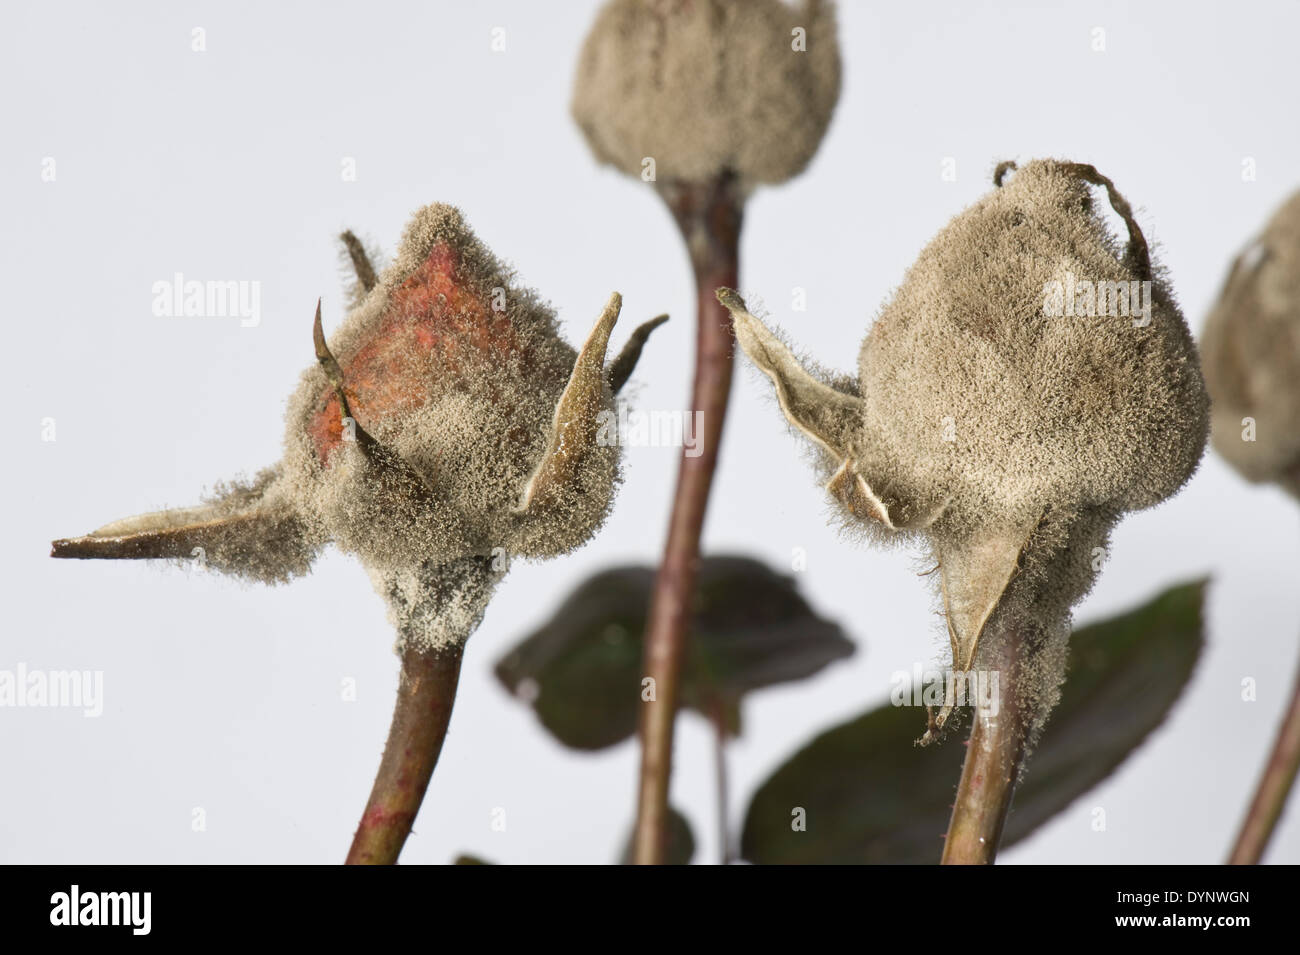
<point>1030,381</point>
<point>702,88</point>
<point>445,429</point>
<point>1251,346</point>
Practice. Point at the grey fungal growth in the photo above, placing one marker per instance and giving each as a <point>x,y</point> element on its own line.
<point>1251,346</point>
<point>707,87</point>
<point>446,429</point>
<point>1003,417</point>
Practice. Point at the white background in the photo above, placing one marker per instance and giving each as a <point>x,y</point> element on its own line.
<point>226,165</point>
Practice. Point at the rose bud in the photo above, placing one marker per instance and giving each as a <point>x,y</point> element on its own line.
<point>447,429</point>
<point>1251,345</point>
<point>707,87</point>
<point>1031,381</point>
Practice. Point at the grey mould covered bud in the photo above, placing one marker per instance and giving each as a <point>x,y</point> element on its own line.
<point>1030,381</point>
<point>448,428</point>
<point>1251,346</point>
<point>708,87</point>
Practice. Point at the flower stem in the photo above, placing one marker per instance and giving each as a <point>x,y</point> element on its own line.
<point>1274,787</point>
<point>709,216</point>
<point>425,694</point>
<point>718,718</point>
<point>994,754</point>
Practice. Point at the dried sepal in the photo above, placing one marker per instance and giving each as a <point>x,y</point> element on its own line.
<point>360,259</point>
<point>359,264</point>
<point>618,371</point>
<point>831,417</point>
<point>244,531</point>
<point>573,429</point>
<point>827,416</point>
<point>974,574</point>
<point>386,464</point>
<point>852,491</point>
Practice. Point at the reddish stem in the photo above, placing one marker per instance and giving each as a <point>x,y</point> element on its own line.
<point>994,754</point>
<point>425,695</point>
<point>1274,787</point>
<point>709,216</point>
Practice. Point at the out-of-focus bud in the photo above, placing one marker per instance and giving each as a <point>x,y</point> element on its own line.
<point>691,90</point>
<point>1251,346</point>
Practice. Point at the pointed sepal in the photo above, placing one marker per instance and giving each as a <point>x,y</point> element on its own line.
<point>241,533</point>
<point>575,426</point>
<point>620,369</point>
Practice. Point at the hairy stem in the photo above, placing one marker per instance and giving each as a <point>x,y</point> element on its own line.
<point>994,754</point>
<point>709,216</point>
<point>1274,787</point>
<point>425,696</point>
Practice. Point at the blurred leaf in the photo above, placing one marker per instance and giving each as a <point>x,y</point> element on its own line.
<point>471,860</point>
<point>872,796</point>
<point>681,841</point>
<point>582,670</point>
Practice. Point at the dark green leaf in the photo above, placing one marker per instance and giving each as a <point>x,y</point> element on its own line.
<point>681,841</point>
<point>871,795</point>
<point>582,670</point>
